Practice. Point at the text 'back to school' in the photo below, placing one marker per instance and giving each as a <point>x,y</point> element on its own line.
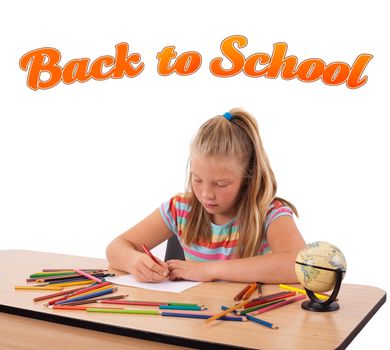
<point>260,64</point>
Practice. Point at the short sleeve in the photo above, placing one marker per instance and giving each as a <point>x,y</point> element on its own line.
<point>276,209</point>
<point>168,213</point>
<point>175,212</point>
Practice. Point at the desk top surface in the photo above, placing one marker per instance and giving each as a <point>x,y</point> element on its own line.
<point>298,328</point>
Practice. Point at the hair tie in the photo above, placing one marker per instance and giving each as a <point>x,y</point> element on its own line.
<point>228,116</point>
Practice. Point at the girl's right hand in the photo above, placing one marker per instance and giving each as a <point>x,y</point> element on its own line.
<point>145,269</point>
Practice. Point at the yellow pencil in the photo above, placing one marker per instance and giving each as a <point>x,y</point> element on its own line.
<point>39,287</point>
<point>66,284</point>
<point>302,291</point>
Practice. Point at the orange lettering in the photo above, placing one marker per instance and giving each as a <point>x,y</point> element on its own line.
<point>357,70</point>
<point>187,63</point>
<point>36,59</point>
<point>251,63</point>
<point>336,73</point>
<point>232,54</point>
<point>123,64</point>
<point>279,62</point>
<point>311,69</point>
<point>76,70</point>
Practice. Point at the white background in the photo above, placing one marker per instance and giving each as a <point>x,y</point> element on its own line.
<point>81,163</point>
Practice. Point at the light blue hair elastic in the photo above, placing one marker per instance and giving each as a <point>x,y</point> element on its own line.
<point>228,116</point>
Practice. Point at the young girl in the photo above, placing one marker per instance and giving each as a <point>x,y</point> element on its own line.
<point>229,222</point>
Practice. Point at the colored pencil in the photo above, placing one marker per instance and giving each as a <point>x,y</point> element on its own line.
<point>38,288</point>
<point>275,306</point>
<point>258,307</point>
<point>255,319</point>
<point>68,284</point>
<point>79,307</point>
<point>302,291</point>
<point>238,297</point>
<point>266,300</point>
<point>260,321</point>
<point>47,274</point>
<point>124,311</point>
<point>85,274</point>
<point>74,276</point>
<point>71,270</point>
<point>146,303</point>
<point>202,316</point>
<point>132,302</point>
<point>223,313</point>
<point>72,279</point>
<point>181,307</point>
<point>270,296</point>
<point>80,291</point>
<point>149,253</point>
<point>250,291</point>
<point>88,296</point>
<point>93,291</point>
<point>259,288</point>
<point>49,296</point>
<point>94,300</point>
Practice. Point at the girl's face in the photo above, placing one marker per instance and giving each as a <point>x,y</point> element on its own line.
<point>216,182</point>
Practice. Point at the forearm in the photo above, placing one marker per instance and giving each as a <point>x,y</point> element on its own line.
<point>270,268</point>
<point>121,254</point>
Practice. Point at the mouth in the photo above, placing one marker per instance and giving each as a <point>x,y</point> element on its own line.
<point>210,206</point>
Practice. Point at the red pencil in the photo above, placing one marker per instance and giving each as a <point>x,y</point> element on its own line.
<point>263,301</point>
<point>66,292</point>
<point>275,306</point>
<point>147,251</point>
<point>80,307</point>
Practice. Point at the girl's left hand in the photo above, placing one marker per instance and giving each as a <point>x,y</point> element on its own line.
<point>189,270</point>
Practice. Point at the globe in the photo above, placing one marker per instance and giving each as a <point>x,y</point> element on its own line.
<point>317,264</point>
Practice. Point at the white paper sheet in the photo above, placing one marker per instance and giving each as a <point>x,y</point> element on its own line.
<point>165,286</point>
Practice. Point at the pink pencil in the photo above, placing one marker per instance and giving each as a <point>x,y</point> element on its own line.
<point>88,275</point>
<point>275,306</point>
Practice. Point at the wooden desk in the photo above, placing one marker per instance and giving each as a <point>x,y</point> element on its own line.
<point>298,329</point>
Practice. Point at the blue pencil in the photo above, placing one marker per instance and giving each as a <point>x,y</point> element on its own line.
<point>223,318</point>
<point>87,296</point>
<point>255,319</point>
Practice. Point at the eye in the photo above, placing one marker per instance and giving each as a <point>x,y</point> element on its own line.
<point>221,184</point>
<point>196,180</point>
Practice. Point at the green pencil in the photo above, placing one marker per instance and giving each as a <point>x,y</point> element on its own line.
<point>124,311</point>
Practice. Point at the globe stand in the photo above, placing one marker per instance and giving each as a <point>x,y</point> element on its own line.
<point>315,304</point>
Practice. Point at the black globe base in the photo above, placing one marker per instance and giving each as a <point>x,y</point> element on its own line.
<point>319,307</point>
<point>316,305</point>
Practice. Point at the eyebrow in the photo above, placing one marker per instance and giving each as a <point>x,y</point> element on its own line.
<point>223,179</point>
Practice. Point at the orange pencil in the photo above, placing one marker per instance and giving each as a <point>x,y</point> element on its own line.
<point>238,297</point>
<point>250,291</point>
<point>223,313</point>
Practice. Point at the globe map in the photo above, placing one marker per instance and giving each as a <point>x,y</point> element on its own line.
<point>316,266</point>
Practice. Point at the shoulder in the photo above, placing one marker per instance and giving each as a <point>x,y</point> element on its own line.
<point>176,205</point>
<point>279,206</point>
<point>276,209</point>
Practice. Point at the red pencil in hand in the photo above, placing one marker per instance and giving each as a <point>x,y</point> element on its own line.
<point>147,251</point>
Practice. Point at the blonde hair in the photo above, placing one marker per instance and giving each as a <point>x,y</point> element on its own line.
<point>238,137</point>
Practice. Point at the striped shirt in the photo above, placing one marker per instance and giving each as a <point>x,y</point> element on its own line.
<point>224,238</point>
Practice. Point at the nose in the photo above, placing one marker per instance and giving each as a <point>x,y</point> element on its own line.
<point>207,192</point>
